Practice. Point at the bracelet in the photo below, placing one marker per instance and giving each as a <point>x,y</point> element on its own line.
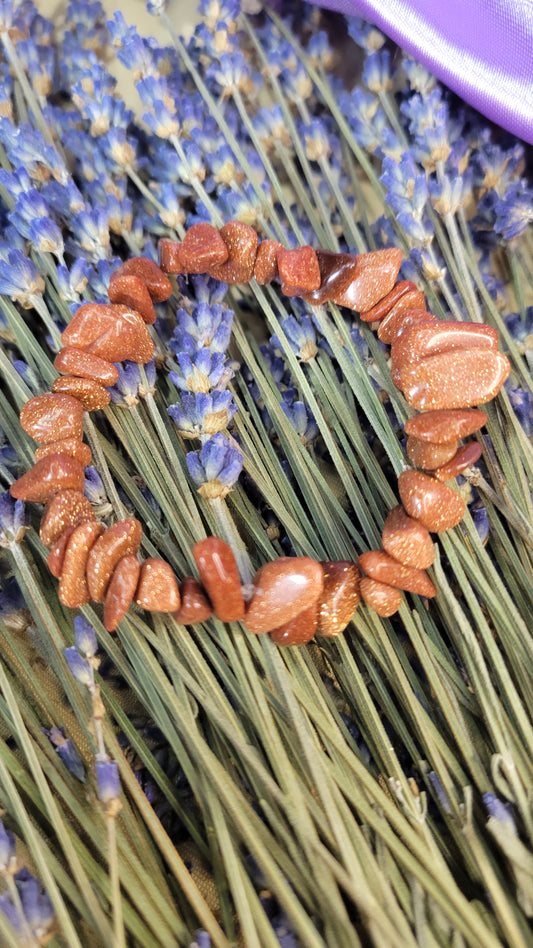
<point>444,369</point>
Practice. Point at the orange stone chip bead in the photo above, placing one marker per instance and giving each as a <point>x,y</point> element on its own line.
<point>445,425</point>
<point>218,572</point>
<point>374,277</point>
<point>428,456</point>
<point>202,248</point>
<point>50,417</point>
<point>121,590</point>
<point>410,300</point>
<point>71,361</point>
<point>157,590</point>
<point>407,540</point>
<point>339,598</point>
<point>383,599</point>
<point>73,587</point>
<point>57,553</point>
<point>157,284</point>
<point>129,289</point>
<point>465,457</point>
<point>283,588</point>
<point>266,261</point>
<point>379,565</point>
<point>435,505</point>
<point>459,379</point>
<point>91,394</point>
<point>122,538</point>
<point>195,607</point>
<point>299,630</point>
<point>54,473</point>
<point>395,325</point>
<point>299,271</point>
<point>68,508</point>
<point>110,331</point>
<point>71,447</point>
<point>386,303</point>
<point>241,242</point>
<point>169,256</point>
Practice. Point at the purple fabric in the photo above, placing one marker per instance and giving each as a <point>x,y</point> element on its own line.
<point>482,49</point>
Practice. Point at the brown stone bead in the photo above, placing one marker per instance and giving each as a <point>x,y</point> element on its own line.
<point>202,248</point>
<point>375,276</point>
<point>157,590</point>
<point>283,588</point>
<point>266,261</point>
<point>241,241</point>
<point>71,447</point>
<point>195,606</point>
<point>379,565</point>
<point>219,575</point>
<point>435,505</point>
<point>86,365</point>
<point>465,457</point>
<point>54,473</point>
<point>444,425</point>
<point>299,630</point>
<point>423,341</point>
<point>169,256</point>
<point>57,553</point>
<point>68,508</point>
<point>410,319</point>
<point>91,394</point>
<point>380,310</point>
<point>73,588</point>
<point>50,417</point>
<point>132,291</point>
<point>383,599</point>
<point>121,590</point>
<point>388,327</point>
<point>339,597</point>
<point>157,284</point>
<point>429,456</point>
<point>407,540</point>
<point>123,538</point>
<point>299,271</point>
<point>111,331</point>
<point>459,379</point>
<point>337,271</point>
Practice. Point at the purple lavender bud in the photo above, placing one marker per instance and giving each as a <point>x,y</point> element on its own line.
<point>20,278</point>
<point>66,751</point>
<point>46,236</point>
<point>202,414</point>
<point>503,812</point>
<point>85,637</point>
<point>299,416</point>
<point>301,337</point>
<point>440,792</point>
<point>94,489</point>
<point>7,848</point>
<point>11,913</point>
<point>514,211</point>
<point>216,462</point>
<point>81,669</point>
<point>107,780</point>
<point>12,520</point>
<point>36,903</point>
<point>202,940</point>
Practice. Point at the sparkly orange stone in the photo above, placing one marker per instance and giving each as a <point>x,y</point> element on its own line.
<point>132,291</point>
<point>218,572</point>
<point>379,565</point>
<point>169,256</point>
<point>337,271</point>
<point>123,538</point>
<point>409,319</point>
<point>299,630</point>
<point>383,599</point>
<point>202,248</point>
<point>91,394</point>
<point>50,417</point>
<point>444,425</point>
<point>86,365</point>
<point>111,331</point>
<point>266,261</point>
<point>380,309</point>
<point>445,336</point>
<point>428,456</point>
<point>241,242</point>
<point>435,505</point>
<point>57,553</point>
<point>157,590</point>
<point>407,540</point>
<point>69,508</point>
<point>458,379</point>
<point>69,446</point>
<point>465,457</point>
<point>157,284</point>
<point>339,598</point>
<point>54,473</point>
<point>411,302</point>
<point>282,589</point>
<point>195,606</point>
<point>299,271</point>
<point>73,588</point>
<point>374,277</point>
<point>121,590</point>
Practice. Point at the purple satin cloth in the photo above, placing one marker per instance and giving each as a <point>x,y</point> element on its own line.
<point>482,49</point>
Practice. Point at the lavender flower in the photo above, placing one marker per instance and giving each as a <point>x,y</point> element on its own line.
<point>66,751</point>
<point>20,278</point>
<point>12,520</point>
<point>301,336</point>
<point>107,781</point>
<point>36,903</point>
<point>7,849</point>
<point>216,468</point>
<point>81,669</point>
